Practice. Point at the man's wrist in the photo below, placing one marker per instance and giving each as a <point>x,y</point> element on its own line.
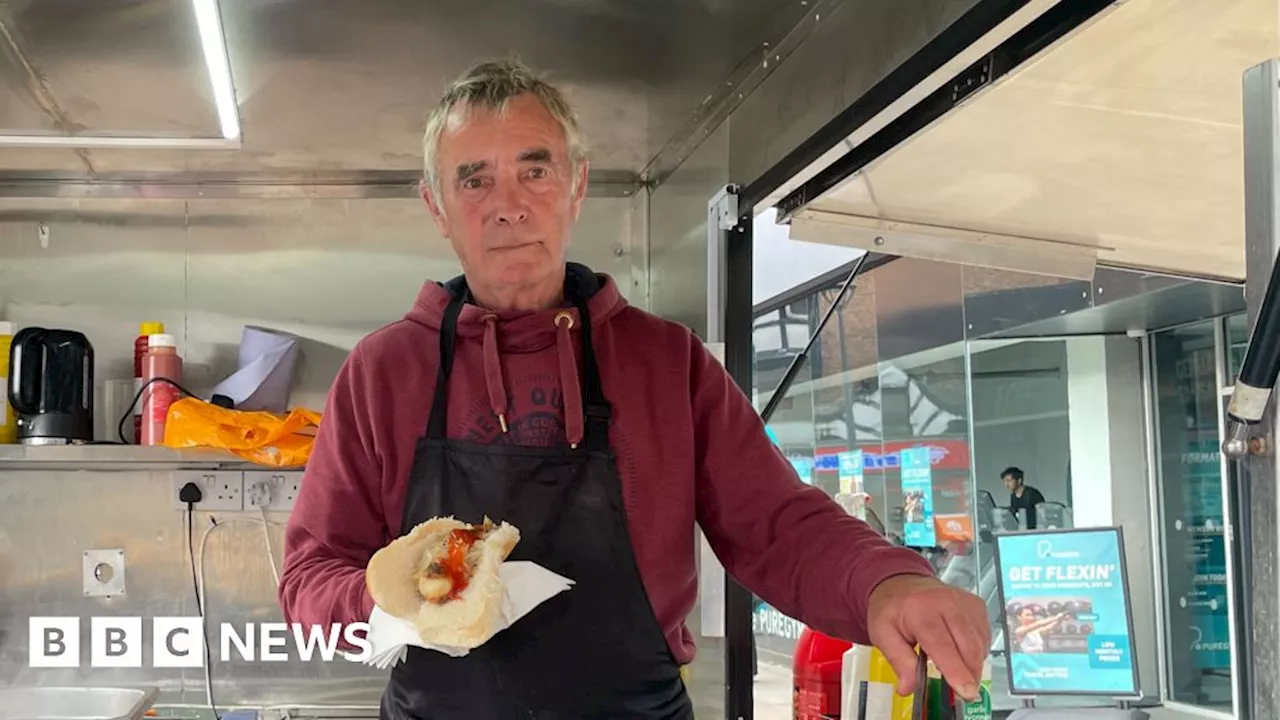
<point>912,566</point>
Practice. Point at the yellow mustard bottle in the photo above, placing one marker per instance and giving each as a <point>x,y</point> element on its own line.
<point>869,687</point>
<point>8,418</point>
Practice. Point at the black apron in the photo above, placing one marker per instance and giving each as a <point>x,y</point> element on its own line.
<point>594,651</point>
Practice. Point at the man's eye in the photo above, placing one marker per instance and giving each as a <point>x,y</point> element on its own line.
<point>473,183</point>
<point>538,172</point>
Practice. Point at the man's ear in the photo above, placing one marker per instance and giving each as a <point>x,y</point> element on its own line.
<point>580,188</point>
<point>437,212</point>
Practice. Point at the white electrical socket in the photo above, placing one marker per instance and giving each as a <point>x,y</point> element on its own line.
<point>283,487</point>
<point>219,490</point>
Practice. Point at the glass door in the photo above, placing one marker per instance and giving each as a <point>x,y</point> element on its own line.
<point>1187,375</point>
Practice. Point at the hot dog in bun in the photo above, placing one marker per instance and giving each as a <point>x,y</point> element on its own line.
<point>443,577</point>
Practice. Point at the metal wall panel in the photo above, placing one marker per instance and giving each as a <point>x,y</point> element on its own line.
<point>49,518</point>
<point>678,233</point>
<point>677,274</point>
<point>1257,475</point>
<point>330,271</point>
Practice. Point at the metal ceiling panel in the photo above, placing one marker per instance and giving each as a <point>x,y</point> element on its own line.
<point>126,66</point>
<point>329,85</point>
<point>1126,137</point>
<point>853,45</point>
<point>17,109</point>
<point>64,162</point>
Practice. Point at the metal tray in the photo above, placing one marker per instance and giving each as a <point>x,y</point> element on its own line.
<point>76,703</point>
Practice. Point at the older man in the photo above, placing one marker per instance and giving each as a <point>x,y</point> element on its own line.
<point>528,390</point>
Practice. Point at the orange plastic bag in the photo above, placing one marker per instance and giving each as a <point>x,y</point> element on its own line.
<point>264,438</point>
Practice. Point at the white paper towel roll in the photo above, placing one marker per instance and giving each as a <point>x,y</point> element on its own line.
<point>265,370</point>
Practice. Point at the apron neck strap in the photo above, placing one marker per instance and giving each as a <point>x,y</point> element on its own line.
<point>595,406</point>
<point>437,424</point>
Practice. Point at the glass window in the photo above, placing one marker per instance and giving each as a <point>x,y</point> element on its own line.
<point>1019,397</point>
<point>1021,420</point>
<point>831,411</point>
<point>1197,628</point>
<point>928,490</point>
<point>795,429</point>
<point>1237,341</point>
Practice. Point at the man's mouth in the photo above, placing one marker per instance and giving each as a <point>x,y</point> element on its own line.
<point>517,246</point>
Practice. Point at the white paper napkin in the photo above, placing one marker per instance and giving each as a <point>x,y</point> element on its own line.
<point>528,586</point>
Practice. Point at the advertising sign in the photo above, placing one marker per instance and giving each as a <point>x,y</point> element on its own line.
<point>944,454</point>
<point>953,528</point>
<point>804,468</point>
<point>1205,548</point>
<point>917,497</point>
<point>775,634</point>
<point>1068,629</point>
<point>850,464</point>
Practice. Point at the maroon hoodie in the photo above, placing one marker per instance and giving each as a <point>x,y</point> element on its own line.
<point>690,447</point>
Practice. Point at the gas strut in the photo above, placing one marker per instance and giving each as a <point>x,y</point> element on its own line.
<point>798,361</point>
<point>1257,378</point>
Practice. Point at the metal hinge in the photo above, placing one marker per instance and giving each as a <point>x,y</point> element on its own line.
<point>723,207</point>
<point>973,79</point>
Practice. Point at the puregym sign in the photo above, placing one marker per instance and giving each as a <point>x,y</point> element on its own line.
<point>179,642</point>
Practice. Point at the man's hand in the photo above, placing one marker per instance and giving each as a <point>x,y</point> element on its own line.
<point>949,624</point>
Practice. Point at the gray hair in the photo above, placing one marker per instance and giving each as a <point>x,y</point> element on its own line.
<point>491,85</point>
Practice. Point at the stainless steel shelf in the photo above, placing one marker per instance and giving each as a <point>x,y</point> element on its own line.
<point>115,457</point>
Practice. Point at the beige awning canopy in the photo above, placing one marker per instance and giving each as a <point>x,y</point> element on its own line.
<point>1121,146</point>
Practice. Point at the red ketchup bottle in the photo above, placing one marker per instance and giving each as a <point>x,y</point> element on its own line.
<point>161,361</point>
<point>816,670</point>
<point>139,351</point>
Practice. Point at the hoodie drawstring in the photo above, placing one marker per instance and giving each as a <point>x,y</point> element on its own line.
<point>570,385</point>
<point>571,389</point>
<point>493,372</point>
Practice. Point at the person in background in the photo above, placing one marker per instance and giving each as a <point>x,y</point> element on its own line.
<point>1023,498</point>
<point>528,390</point>
<point>1030,630</point>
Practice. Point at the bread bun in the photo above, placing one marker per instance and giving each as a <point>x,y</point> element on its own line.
<point>407,579</point>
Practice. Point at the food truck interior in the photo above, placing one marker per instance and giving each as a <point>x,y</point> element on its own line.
<point>1061,213</point>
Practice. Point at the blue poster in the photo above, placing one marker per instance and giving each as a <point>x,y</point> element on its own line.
<point>917,497</point>
<point>1205,596</point>
<point>1066,614</point>
<point>850,472</point>
<point>772,435</point>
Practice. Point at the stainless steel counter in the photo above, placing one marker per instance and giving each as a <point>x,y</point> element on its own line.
<point>75,703</point>
<point>114,457</point>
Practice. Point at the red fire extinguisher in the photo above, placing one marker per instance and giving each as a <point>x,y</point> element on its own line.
<point>815,673</point>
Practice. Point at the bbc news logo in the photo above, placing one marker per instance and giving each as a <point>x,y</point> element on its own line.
<point>179,642</point>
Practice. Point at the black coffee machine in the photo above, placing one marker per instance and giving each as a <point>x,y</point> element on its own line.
<point>51,386</point>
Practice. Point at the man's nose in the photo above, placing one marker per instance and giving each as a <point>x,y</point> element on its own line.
<point>511,216</point>
<point>511,208</point>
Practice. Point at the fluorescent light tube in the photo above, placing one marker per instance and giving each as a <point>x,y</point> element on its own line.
<point>212,42</point>
<point>209,23</point>
<point>116,142</point>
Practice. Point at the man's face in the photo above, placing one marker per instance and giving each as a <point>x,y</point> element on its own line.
<point>1010,483</point>
<point>507,194</point>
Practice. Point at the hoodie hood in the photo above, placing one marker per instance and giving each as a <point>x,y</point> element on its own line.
<point>523,331</point>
